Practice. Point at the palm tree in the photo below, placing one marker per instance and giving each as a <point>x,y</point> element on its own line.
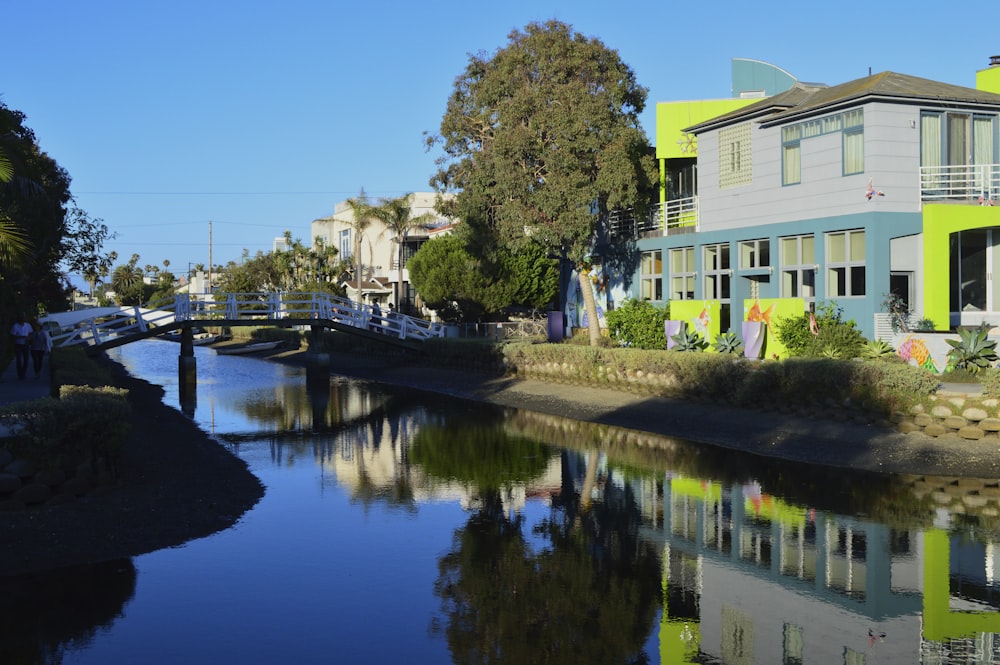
<point>363,213</point>
<point>14,241</point>
<point>396,214</point>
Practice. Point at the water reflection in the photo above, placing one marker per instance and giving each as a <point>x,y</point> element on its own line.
<point>588,543</point>
<point>44,614</point>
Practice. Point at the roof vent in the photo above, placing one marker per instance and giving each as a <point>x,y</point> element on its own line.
<point>995,61</point>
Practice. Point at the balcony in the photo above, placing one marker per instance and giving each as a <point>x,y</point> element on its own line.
<point>967,183</point>
<point>660,219</point>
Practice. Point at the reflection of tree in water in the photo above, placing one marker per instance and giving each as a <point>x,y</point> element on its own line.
<point>44,613</point>
<point>590,596</point>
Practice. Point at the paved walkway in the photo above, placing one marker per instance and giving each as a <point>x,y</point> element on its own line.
<point>14,390</point>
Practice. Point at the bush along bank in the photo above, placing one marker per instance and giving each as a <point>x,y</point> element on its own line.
<point>868,390</point>
<point>60,448</point>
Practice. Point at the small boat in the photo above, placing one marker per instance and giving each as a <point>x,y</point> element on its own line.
<point>206,338</point>
<point>255,347</point>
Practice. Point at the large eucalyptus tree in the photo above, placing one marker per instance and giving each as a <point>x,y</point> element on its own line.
<point>541,139</point>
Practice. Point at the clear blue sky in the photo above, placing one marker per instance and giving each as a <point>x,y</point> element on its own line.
<point>259,117</point>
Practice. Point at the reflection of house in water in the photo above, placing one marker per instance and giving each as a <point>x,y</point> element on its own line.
<point>737,554</point>
<point>734,555</point>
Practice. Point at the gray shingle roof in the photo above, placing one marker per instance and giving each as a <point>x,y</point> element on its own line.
<point>803,100</point>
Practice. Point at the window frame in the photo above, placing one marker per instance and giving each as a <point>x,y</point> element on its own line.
<point>755,246</point>
<point>651,275</point>
<point>799,270</point>
<point>842,274</point>
<point>686,274</point>
<point>791,145</point>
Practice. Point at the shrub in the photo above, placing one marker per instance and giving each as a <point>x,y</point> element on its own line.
<point>728,343</point>
<point>638,324</point>
<point>878,349</point>
<point>84,425</point>
<point>836,338</point>
<point>973,351</point>
<point>689,340</point>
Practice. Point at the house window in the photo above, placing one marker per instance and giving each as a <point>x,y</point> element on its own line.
<point>734,156</point>
<point>755,254</point>
<point>798,267</point>
<point>651,275</point>
<point>791,155</point>
<point>682,274</point>
<point>345,244</point>
<point>717,276</point>
<point>854,142</point>
<point>845,268</point>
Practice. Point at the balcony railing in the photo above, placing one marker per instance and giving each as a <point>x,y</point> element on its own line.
<point>660,219</point>
<point>976,183</point>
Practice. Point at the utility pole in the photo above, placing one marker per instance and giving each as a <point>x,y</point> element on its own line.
<point>210,256</point>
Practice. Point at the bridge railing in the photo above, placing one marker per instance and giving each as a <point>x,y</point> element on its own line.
<point>251,307</point>
<point>98,329</point>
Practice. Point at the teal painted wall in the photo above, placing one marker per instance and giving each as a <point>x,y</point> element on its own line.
<point>880,228</point>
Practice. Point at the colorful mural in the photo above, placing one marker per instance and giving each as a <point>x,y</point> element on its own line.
<point>915,351</point>
<point>607,292</point>
<point>702,316</point>
<point>768,311</point>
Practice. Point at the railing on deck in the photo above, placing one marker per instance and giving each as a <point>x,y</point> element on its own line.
<point>977,183</point>
<point>254,309</point>
<point>660,219</point>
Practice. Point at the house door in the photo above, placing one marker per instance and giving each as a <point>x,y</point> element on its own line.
<point>974,258</point>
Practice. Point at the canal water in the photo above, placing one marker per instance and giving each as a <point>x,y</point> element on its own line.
<point>404,527</point>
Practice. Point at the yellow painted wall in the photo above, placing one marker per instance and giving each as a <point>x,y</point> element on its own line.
<point>987,80</point>
<point>701,316</point>
<point>672,117</point>
<point>940,221</point>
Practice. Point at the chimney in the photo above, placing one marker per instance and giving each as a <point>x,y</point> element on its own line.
<point>995,61</point>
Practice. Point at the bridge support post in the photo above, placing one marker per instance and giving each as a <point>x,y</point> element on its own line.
<point>187,372</point>
<point>317,362</point>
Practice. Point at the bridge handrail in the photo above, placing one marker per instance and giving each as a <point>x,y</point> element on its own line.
<point>249,306</point>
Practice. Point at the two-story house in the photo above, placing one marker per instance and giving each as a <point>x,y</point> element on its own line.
<point>843,193</point>
<point>384,279</point>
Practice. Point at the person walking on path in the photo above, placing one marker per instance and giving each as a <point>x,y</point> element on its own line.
<point>20,332</point>
<point>41,344</point>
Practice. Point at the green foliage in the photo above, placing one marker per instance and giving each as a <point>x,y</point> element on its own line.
<point>443,272</point>
<point>899,313</point>
<point>728,343</point>
<point>989,378</point>
<point>539,132</point>
<point>836,339</point>
<point>877,386</point>
<point>689,340</point>
<point>924,325</point>
<point>973,351</point>
<point>638,324</point>
<point>84,425</point>
<point>298,268</point>
<point>877,349</point>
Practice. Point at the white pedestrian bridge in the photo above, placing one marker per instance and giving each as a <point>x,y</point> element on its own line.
<point>108,327</point>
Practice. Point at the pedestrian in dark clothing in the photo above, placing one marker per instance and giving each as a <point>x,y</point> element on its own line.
<point>20,332</point>
<point>40,344</point>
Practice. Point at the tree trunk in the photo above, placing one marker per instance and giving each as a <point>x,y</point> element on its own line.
<point>589,306</point>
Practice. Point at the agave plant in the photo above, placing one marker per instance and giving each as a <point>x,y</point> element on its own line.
<point>973,351</point>
<point>877,348</point>
<point>689,340</point>
<point>728,342</point>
